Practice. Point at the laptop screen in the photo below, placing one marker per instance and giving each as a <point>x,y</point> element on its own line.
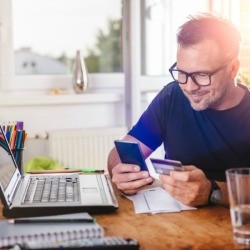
<point>7,166</point>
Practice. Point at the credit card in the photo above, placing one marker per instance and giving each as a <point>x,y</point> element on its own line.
<point>166,166</point>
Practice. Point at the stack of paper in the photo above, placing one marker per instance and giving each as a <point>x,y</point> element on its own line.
<point>49,228</point>
<point>156,200</point>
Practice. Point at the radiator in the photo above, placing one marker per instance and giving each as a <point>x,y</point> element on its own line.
<point>80,148</point>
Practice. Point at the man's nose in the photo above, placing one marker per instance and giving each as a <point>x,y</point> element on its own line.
<point>191,85</point>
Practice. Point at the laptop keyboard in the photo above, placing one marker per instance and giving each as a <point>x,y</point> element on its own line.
<point>59,188</point>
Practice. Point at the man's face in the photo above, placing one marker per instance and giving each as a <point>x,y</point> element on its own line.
<point>205,56</point>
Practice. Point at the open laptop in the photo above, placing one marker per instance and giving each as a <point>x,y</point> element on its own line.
<point>41,195</point>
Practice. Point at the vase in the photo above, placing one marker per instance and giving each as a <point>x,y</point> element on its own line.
<point>80,74</point>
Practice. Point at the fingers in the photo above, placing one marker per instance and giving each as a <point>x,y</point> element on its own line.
<point>189,168</point>
<point>189,187</point>
<point>128,178</point>
<point>191,174</point>
<point>180,194</point>
<point>183,179</point>
<point>126,173</point>
<point>133,186</point>
<point>174,182</point>
<point>121,168</point>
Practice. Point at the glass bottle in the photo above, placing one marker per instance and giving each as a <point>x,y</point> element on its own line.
<point>80,74</point>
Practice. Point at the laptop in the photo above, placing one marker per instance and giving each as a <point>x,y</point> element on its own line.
<point>50,194</point>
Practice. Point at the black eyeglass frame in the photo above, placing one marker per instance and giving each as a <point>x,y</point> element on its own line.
<point>171,69</point>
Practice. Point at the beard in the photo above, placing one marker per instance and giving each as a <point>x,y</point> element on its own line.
<point>205,99</point>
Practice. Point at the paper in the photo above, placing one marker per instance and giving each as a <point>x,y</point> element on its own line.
<point>13,233</point>
<point>156,200</point>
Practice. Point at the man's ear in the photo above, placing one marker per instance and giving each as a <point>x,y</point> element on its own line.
<point>234,68</point>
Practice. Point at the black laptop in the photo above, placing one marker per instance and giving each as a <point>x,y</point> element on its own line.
<point>41,195</point>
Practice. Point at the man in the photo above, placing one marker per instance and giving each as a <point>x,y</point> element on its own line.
<point>203,118</point>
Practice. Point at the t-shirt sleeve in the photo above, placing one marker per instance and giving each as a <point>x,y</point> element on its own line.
<point>150,128</point>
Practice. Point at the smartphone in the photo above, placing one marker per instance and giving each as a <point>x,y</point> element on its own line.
<point>130,153</point>
<point>166,166</point>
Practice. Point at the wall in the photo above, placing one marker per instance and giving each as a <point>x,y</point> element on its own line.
<point>42,114</point>
<point>89,110</point>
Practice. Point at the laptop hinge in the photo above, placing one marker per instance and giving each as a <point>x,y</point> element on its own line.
<point>111,191</point>
<point>14,189</point>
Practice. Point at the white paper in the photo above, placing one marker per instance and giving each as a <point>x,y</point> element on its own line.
<point>156,200</point>
<point>139,203</point>
<point>185,207</point>
<point>160,200</point>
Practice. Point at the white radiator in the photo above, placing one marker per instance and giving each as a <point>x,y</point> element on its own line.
<point>87,148</point>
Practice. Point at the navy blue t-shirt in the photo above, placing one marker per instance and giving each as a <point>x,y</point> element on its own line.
<point>211,140</point>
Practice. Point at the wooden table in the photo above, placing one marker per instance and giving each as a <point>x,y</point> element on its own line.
<point>207,228</point>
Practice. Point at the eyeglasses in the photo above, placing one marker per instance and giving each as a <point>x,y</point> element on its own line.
<point>200,78</point>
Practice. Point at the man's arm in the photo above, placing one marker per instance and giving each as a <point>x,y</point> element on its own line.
<point>127,177</point>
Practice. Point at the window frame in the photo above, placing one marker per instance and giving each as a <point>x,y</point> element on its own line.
<point>131,51</point>
<point>9,81</point>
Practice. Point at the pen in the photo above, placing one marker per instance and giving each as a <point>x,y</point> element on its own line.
<point>86,170</point>
<point>90,170</point>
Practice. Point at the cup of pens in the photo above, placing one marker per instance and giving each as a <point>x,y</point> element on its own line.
<point>16,137</point>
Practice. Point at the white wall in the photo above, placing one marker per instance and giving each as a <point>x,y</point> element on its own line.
<point>41,115</point>
<point>102,110</point>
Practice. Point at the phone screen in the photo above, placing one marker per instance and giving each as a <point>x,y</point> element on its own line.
<point>130,153</point>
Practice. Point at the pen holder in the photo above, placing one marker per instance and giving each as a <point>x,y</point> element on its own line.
<point>18,156</point>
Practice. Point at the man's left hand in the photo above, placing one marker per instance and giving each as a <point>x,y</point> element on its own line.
<point>191,187</point>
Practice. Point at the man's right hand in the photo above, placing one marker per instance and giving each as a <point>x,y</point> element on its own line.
<point>129,179</point>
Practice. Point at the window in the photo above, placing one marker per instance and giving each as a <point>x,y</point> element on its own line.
<point>157,21</point>
<point>47,34</point>
<point>160,21</point>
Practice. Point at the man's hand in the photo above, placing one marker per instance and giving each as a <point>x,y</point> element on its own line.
<point>191,187</point>
<point>129,179</point>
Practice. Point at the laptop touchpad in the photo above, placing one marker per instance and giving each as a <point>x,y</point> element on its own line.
<point>92,191</point>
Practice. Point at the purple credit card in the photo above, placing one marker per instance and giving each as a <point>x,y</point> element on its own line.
<point>166,166</point>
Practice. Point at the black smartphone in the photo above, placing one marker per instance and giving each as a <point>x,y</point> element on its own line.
<point>130,153</point>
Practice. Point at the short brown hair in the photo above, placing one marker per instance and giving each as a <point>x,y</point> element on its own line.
<point>206,26</point>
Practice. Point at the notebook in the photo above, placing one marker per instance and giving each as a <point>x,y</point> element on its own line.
<point>55,230</point>
<point>41,195</point>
